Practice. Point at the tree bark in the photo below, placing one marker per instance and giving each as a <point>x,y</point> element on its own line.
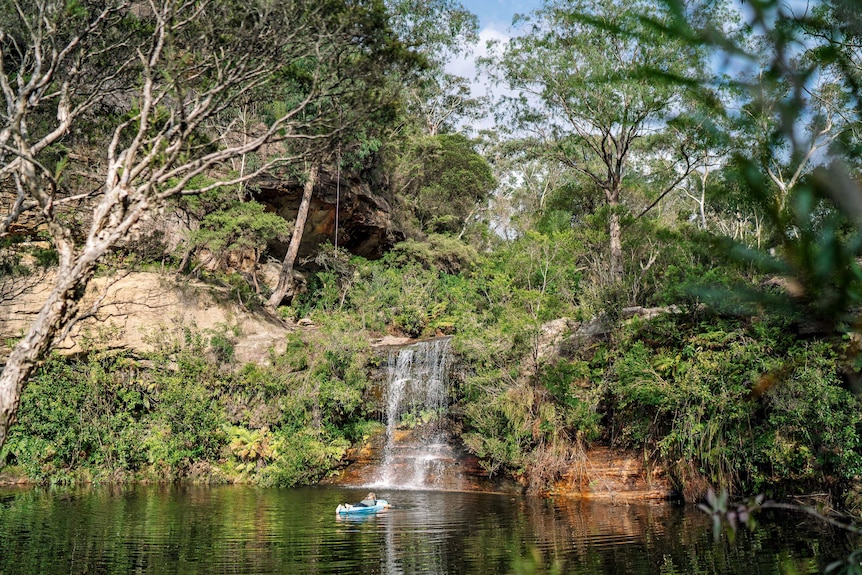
<point>702,203</point>
<point>615,265</point>
<point>286,285</point>
<point>57,310</point>
<point>615,230</point>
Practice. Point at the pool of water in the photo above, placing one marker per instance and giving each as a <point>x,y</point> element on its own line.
<point>246,530</point>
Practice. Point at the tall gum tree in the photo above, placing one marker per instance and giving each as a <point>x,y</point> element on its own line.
<point>589,92</point>
<point>145,80</point>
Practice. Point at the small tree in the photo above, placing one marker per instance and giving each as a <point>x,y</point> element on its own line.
<point>444,180</point>
<point>240,229</point>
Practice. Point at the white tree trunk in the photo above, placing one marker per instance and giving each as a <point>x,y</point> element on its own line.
<point>286,286</point>
<point>57,311</point>
<point>616,263</point>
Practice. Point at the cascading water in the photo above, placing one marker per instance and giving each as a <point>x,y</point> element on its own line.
<point>416,398</point>
<point>418,451</point>
<point>418,378</point>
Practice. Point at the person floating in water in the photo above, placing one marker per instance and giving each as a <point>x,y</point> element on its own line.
<point>368,505</point>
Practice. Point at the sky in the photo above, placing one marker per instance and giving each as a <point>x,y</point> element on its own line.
<point>495,23</point>
<point>497,14</point>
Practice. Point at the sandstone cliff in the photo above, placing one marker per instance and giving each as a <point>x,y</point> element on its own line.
<point>364,217</point>
<point>140,310</point>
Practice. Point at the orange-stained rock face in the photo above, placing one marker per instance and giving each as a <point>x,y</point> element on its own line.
<point>450,468</point>
<point>364,218</point>
<point>602,473</point>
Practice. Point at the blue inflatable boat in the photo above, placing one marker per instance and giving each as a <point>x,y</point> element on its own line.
<point>363,507</point>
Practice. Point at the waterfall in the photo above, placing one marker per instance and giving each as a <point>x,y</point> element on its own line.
<point>416,399</point>
<point>417,382</point>
<point>418,449</point>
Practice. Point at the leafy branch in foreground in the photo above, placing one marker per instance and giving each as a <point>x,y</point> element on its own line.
<point>736,514</point>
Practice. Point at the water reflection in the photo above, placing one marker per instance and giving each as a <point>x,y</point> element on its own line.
<point>241,530</point>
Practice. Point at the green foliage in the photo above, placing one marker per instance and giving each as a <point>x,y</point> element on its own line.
<point>304,458</point>
<point>501,423</point>
<point>721,401</point>
<point>80,418</point>
<point>544,271</point>
<point>252,447</point>
<point>10,264</point>
<point>812,429</point>
<point>19,258</point>
<point>188,410</point>
<point>442,180</point>
<point>294,428</point>
<point>748,404</point>
<point>108,418</point>
<point>735,405</point>
<point>442,252</point>
<point>396,292</point>
<point>237,227</point>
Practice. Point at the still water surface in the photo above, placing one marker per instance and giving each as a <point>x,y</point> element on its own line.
<point>244,530</point>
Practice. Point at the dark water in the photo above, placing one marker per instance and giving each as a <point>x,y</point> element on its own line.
<point>243,530</point>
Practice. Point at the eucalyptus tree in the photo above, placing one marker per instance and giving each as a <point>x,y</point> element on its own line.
<point>833,32</point>
<point>591,88</point>
<point>438,31</point>
<point>795,112</point>
<point>527,184</point>
<point>821,111</point>
<point>133,87</point>
<point>442,101</point>
<point>798,83</point>
<point>433,28</point>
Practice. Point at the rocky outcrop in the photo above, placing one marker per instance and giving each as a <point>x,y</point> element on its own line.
<point>363,217</point>
<point>565,337</point>
<point>140,311</point>
<point>453,469</point>
<point>613,475</point>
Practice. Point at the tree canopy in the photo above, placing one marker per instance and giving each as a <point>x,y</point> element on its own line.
<point>592,89</point>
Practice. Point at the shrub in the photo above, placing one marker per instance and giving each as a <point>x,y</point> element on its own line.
<point>80,415</point>
<point>303,458</point>
<point>738,405</point>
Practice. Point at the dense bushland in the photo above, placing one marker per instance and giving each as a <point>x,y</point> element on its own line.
<point>741,402</point>
<point>535,247</point>
<point>744,402</point>
<point>185,412</point>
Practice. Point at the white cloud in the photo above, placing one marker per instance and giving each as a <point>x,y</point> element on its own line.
<point>465,65</point>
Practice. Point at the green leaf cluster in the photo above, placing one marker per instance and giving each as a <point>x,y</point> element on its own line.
<point>181,413</point>
<point>740,405</point>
